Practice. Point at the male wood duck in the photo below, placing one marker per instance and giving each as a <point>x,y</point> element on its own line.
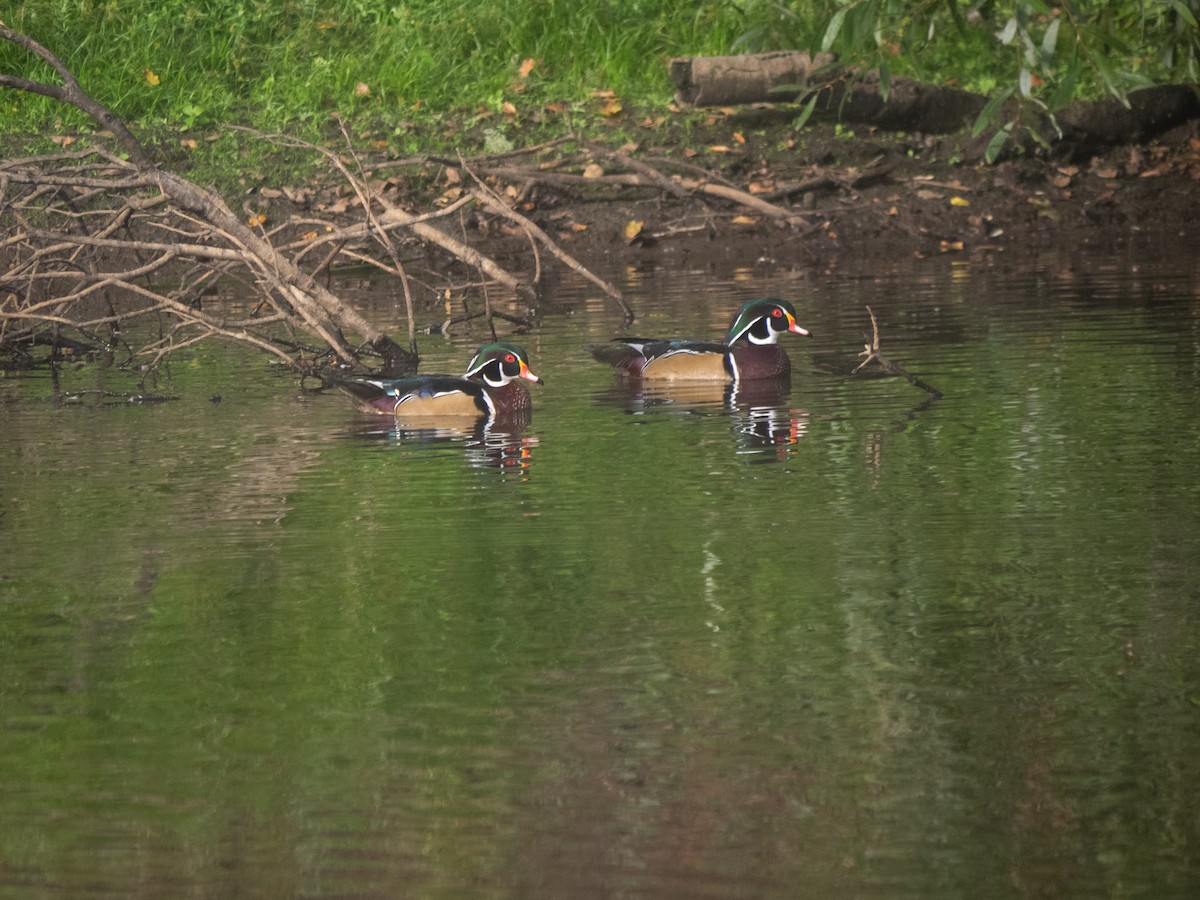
<point>490,387</point>
<point>749,350</point>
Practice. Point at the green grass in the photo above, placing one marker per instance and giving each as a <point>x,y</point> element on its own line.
<point>430,66</point>
<point>291,64</point>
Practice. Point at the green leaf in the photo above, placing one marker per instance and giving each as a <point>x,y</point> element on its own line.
<point>1184,12</point>
<point>1008,32</point>
<point>806,112</point>
<point>834,27</point>
<point>996,144</point>
<point>1050,39</point>
<point>984,120</point>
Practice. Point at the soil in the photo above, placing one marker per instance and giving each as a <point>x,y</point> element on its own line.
<point>871,194</point>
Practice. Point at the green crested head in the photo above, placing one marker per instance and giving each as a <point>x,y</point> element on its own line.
<point>762,321</point>
<point>499,363</point>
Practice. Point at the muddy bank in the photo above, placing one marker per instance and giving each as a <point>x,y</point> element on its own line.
<point>872,195</point>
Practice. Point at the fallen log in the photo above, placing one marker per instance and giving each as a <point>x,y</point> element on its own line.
<point>751,78</point>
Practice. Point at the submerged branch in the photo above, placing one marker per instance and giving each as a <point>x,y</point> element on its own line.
<point>873,354</point>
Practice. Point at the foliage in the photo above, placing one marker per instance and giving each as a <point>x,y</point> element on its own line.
<point>1039,55</point>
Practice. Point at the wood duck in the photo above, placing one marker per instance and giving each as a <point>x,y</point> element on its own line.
<point>749,350</point>
<point>490,387</point>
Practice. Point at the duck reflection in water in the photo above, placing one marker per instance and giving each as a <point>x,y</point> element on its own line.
<point>765,427</point>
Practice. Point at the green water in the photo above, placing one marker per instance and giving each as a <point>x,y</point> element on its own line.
<point>849,644</point>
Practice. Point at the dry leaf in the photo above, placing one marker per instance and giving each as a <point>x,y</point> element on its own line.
<point>633,228</point>
<point>362,89</point>
<point>453,176</point>
<point>951,245</point>
<point>593,170</point>
<point>611,108</point>
<point>1105,172</point>
<point>270,193</point>
<point>959,201</point>
<point>926,194</point>
<point>719,148</point>
<point>308,236</point>
<point>63,140</point>
<point>603,94</point>
<point>1061,181</point>
<point>526,67</point>
<point>1070,171</point>
<point>739,138</point>
<point>630,147</point>
<point>578,226</point>
<point>761,187</point>
<point>892,211</point>
<point>689,152</point>
<point>744,220</point>
<point>508,108</point>
<point>189,143</point>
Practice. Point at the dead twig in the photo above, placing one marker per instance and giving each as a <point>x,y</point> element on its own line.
<point>872,353</point>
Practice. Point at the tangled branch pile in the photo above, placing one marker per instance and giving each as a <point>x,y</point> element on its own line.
<point>95,244</point>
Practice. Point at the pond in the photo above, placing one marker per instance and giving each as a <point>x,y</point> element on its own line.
<point>844,640</point>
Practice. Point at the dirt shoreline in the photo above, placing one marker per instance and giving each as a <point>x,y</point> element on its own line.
<point>890,197</point>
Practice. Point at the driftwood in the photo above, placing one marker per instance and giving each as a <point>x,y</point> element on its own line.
<point>92,242</point>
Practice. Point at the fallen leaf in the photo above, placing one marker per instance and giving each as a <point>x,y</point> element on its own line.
<point>151,78</point>
<point>761,187</point>
<point>690,152</point>
<point>593,170</point>
<point>926,194</point>
<point>270,193</point>
<point>744,220</point>
<point>603,94</point>
<point>630,147</point>
<point>633,228</point>
<point>189,143</point>
<point>739,138</point>
<point>256,220</point>
<point>1070,171</point>
<point>453,176</point>
<point>1105,172</point>
<point>63,140</point>
<point>578,226</point>
<point>1061,181</point>
<point>951,245</point>
<point>719,148</point>
<point>508,108</point>
<point>892,211</point>
<point>526,67</point>
<point>959,201</point>
<point>362,89</point>
<point>308,236</point>
<point>611,108</point>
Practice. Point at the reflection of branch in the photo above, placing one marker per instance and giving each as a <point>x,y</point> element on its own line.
<point>872,353</point>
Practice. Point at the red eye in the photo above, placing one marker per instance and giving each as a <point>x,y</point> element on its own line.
<point>510,358</point>
<point>777,312</point>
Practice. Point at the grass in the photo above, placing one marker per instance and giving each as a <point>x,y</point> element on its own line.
<point>291,64</point>
<point>410,71</point>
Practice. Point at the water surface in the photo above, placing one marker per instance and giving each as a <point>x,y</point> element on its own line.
<point>836,639</point>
